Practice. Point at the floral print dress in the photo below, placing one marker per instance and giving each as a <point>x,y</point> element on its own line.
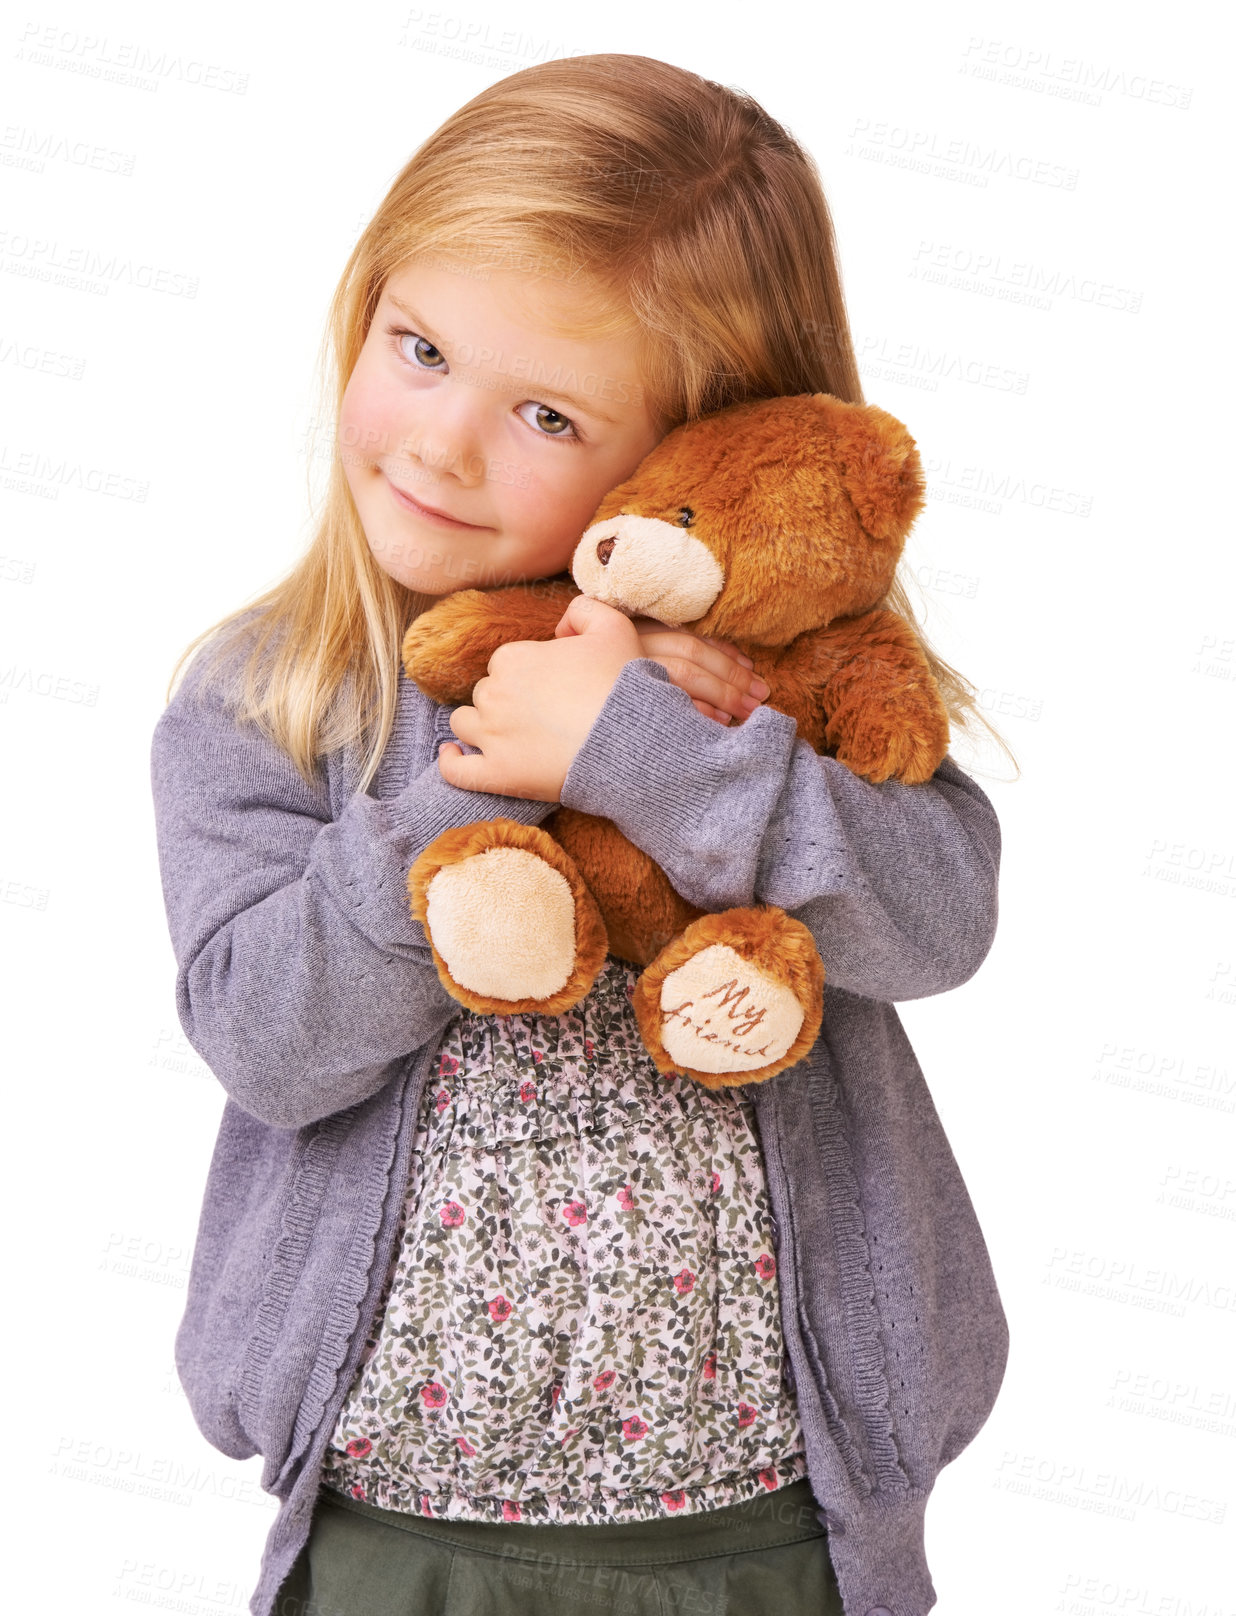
<point>581,1322</point>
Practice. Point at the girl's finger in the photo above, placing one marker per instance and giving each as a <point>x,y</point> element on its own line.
<point>683,640</point>
<point>709,711</point>
<point>726,667</point>
<point>724,645</point>
<point>713,696</point>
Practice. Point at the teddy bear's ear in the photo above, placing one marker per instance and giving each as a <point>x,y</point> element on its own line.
<point>880,467</point>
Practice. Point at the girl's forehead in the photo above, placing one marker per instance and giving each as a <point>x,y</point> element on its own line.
<point>579,306</point>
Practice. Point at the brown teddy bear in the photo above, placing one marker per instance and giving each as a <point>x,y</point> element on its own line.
<point>776,525</point>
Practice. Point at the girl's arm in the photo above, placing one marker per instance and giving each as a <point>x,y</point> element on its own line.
<point>301,972</point>
<point>896,883</point>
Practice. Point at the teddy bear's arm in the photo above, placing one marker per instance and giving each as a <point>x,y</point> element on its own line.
<point>876,705</point>
<point>447,648</point>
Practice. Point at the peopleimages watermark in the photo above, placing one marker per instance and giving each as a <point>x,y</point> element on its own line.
<point>953,157</point>
<point>149,1475</point>
<point>166,1587</point>
<point>125,62</point>
<point>916,365</point>
<point>1106,1491</point>
<point>43,682</point>
<point>34,471</point>
<point>1125,1279</point>
<point>1206,869</point>
<point>988,490</point>
<point>1166,1075</point>
<point>1015,280</point>
<point>476,41</point>
<point>1070,78</point>
<point>22,895</point>
<point>32,150</point>
<point>85,269</point>
<point>46,361</point>
<point>1173,1401</point>
<point>1086,1593</point>
<point>16,570</point>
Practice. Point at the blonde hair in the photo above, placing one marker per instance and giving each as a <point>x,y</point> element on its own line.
<point>703,225</point>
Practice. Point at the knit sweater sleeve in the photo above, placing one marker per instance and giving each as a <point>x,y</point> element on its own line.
<point>301,971</point>
<point>897,883</point>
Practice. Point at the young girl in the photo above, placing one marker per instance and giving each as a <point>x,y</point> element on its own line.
<point>515,1322</point>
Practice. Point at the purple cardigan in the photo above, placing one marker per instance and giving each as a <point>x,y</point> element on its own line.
<point>308,988</point>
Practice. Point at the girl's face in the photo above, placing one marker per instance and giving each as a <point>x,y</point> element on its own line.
<point>466,402</point>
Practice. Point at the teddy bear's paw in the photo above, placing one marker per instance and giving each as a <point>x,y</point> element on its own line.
<point>903,755</point>
<point>510,922</point>
<point>737,998</point>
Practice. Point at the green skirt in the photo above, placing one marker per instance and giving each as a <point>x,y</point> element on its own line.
<point>770,1554</point>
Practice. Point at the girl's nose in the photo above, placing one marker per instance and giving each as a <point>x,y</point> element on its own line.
<point>447,437</point>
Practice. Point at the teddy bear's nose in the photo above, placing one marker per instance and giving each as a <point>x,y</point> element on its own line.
<point>603,550</point>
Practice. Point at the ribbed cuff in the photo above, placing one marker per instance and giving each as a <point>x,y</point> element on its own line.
<point>382,840</point>
<point>693,794</point>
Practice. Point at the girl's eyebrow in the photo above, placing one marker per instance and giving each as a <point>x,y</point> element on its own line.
<point>585,406</point>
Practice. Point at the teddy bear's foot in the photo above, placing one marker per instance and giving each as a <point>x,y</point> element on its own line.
<point>736,999</point>
<point>510,922</point>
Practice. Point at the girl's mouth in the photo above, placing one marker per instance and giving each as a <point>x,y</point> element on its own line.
<point>409,504</point>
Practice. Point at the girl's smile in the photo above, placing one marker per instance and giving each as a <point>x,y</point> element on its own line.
<point>469,391</point>
<point>438,517</point>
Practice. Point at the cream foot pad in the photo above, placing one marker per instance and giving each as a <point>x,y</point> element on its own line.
<point>720,1013</point>
<point>504,922</point>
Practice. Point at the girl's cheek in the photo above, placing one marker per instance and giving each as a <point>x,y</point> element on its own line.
<point>365,427</point>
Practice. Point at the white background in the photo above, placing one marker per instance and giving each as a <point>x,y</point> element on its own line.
<point>1072,563</point>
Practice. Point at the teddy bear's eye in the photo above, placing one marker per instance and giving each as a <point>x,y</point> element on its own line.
<point>686,516</point>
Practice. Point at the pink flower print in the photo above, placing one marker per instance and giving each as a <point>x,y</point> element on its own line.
<point>434,1394</point>
<point>537,1057</point>
<point>442,1099</point>
<point>630,990</point>
<point>499,1309</point>
<point>451,1213</point>
<point>448,1065</point>
<point>465,1447</point>
<point>527,1091</point>
<point>625,1199</point>
<point>634,1428</point>
<point>769,1478</point>
<point>575,1212</point>
<point>425,1509</point>
<point>555,1392</point>
<point>604,1380</point>
<point>710,1366</point>
<point>674,1500</point>
<point>588,1048</point>
<point>510,1510</point>
<point>716,1183</point>
<point>765,1266</point>
<point>684,1281</point>
<point>574,1431</point>
<point>358,1447</point>
<point>746,1413</point>
<point>357,1491</point>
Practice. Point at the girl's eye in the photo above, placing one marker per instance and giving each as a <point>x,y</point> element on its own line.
<point>555,424</point>
<point>422,349</point>
<point>686,516</point>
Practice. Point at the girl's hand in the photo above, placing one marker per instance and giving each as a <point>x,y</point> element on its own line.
<point>716,675</point>
<point>532,711</point>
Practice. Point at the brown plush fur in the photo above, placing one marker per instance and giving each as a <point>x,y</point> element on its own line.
<point>805,504</point>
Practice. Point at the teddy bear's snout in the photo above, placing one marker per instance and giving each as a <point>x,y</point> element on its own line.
<point>643,565</point>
